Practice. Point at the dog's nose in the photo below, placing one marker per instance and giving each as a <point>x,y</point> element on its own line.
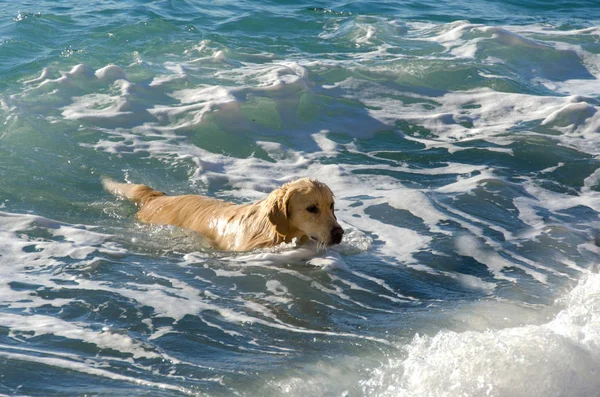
<point>336,235</point>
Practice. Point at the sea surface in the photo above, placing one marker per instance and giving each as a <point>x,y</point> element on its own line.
<point>461,140</point>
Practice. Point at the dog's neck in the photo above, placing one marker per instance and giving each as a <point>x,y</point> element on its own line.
<point>294,233</point>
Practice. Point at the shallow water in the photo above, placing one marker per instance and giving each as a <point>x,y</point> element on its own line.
<point>461,141</point>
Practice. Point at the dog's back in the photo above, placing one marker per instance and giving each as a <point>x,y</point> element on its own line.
<point>226,225</point>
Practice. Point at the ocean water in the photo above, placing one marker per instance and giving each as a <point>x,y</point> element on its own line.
<point>462,142</point>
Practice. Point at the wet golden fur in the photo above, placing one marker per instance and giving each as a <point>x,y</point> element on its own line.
<point>286,213</point>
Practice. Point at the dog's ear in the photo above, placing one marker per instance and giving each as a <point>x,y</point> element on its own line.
<point>278,210</point>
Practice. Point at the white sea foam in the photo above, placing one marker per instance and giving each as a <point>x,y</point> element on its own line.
<point>31,267</point>
<point>558,202</point>
<point>171,298</point>
<point>91,370</point>
<point>25,326</point>
<point>558,357</point>
<point>495,114</point>
<point>469,246</point>
<point>498,349</point>
<point>572,115</point>
<point>591,181</point>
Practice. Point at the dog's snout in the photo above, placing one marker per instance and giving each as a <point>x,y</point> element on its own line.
<point>336,235</point>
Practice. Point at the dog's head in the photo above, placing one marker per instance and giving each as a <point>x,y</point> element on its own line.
<point>305,207</point>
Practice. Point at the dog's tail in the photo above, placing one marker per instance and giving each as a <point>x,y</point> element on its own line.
<point>139,194</point>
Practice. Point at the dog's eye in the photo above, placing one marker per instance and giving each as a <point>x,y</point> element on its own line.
<point>313,209</point>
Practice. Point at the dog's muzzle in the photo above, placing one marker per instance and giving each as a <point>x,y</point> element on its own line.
<point>336,235</point>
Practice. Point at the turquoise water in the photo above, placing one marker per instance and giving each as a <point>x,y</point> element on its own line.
<point>461,140</point>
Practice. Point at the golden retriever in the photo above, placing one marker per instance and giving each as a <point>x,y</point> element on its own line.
<point>302,210</point>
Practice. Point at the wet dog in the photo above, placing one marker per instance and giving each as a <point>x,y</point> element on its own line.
<point>301,210</point>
